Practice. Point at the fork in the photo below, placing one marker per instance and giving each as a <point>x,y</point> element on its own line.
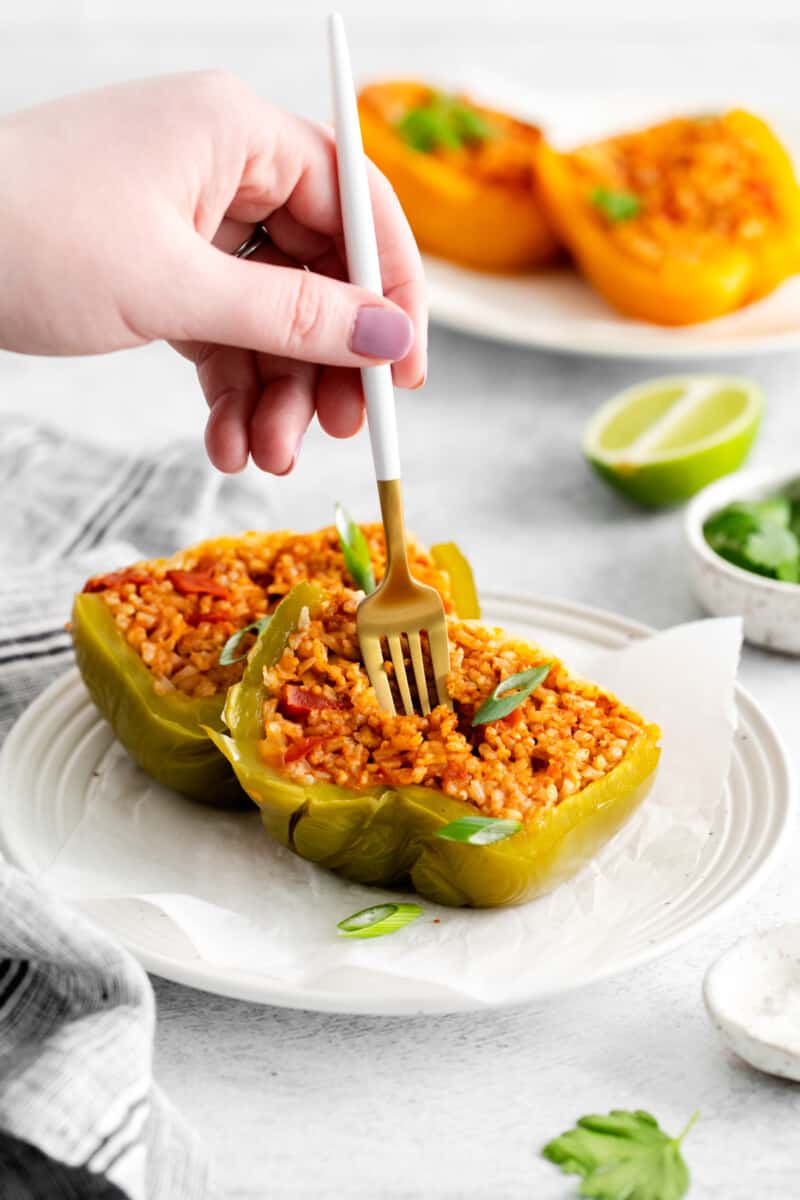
<point>392,621</point>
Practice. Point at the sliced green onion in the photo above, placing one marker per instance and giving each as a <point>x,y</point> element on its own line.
<point>355,551</point>
<point>510,693</point>
<point>426,128</point>
<point>228,655</point>
<point>378,920</point>
<point>443,121</point>
<point>616,206</point>
<point>479,831</point>
<point>469,124</point>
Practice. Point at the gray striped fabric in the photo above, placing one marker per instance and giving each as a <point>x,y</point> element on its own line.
<point>76,1011</point>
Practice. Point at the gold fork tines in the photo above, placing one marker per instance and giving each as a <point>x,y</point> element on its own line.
<point>403,621</point>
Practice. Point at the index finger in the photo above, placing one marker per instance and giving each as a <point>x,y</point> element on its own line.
<point>295,167</point>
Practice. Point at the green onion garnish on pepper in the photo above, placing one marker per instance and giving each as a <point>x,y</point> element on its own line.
<point>510,693</point>
<point>378,920</point>
<point>228,655</point>
<point>616,206</point>
<point>443,122</point>
<point>355,550</point>
<point>479,831</point>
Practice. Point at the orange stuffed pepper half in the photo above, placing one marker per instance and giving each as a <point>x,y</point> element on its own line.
<point>681,222</point>
<point>465,175</point>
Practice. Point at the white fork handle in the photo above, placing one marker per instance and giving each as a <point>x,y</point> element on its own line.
<point>363,264</point>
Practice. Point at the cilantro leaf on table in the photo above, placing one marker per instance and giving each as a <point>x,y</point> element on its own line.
<point>622,1156</point>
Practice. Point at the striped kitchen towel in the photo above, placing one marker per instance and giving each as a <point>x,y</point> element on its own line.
<point>80,1115</point>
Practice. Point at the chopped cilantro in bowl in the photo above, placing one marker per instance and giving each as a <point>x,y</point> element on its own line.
<point>761,536</point>
<point>743,535</point>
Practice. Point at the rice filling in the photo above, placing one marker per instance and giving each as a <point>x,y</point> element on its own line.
<point>177,613</point>
<point>322,721</point>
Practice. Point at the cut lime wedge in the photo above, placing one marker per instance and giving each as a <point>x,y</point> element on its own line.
<point>661,441</point>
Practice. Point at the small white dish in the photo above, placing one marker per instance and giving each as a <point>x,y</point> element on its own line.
<point>752,994</point>
<point>769,608</point>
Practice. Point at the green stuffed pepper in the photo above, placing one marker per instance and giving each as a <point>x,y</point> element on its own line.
<point>149,639</point>
<point>336,779</point>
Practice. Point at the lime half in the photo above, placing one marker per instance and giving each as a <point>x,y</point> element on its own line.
<point>663,440</point>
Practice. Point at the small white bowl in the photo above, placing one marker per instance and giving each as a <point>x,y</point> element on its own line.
<point>769,607</point>
<point>752,994</point>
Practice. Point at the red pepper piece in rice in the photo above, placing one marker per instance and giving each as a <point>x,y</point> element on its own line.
<point>214,617</point>
<point>115,579</point>
<point>298,703</point>
<point>195,583</point>
<point>301,749</point>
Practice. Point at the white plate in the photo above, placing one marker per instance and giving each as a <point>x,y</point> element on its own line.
<point>557,309</point>
<point>46,771</point>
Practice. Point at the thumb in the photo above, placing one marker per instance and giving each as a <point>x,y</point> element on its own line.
<point>287,311</point>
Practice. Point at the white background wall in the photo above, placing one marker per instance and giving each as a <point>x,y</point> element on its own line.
<point>723,46</point>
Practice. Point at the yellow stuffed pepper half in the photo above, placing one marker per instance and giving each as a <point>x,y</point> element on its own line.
<point>681,222</point>
<point>159,643</point>
<point>489,803</point>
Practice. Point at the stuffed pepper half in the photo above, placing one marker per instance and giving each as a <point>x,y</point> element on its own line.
<point>159,643</point>
<point>465,175</point>
<point>527,751</point>
<point>681,222</point>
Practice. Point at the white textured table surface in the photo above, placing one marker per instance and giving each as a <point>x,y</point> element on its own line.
<point>297,1105</point>
<point>301,1105</point>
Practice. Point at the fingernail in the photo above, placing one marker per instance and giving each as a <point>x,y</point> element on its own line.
<point>382,333</point>
<point>291,465</point>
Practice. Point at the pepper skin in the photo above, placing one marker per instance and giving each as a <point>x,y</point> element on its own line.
<point>448,558</point>
<point>718,227</point>
<point>477,206</point>
<point>386,836</point>
<point>164,733</point>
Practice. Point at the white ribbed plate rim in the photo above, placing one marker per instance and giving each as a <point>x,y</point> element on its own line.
<point>557,310</point>
<point>47,762</point>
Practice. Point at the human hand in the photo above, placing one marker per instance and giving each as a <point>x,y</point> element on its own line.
<point>118,215</point>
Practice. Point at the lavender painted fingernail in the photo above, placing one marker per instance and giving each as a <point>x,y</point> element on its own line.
<point>383,333</point>
<point>291,465</point>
